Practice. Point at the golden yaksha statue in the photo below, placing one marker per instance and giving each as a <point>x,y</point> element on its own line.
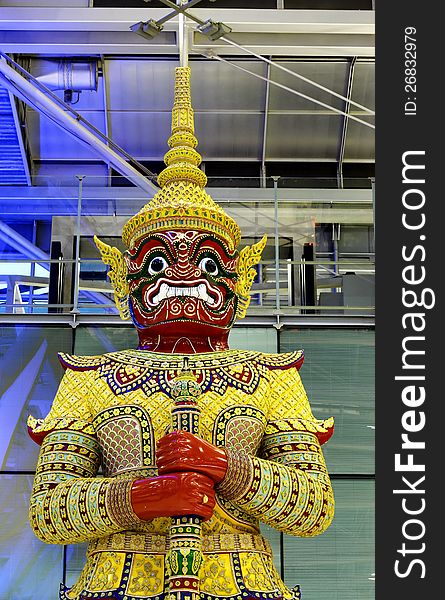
<point>197,443</point>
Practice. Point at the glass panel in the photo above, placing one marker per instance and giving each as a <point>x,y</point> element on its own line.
<point>38,251</point>
<point>251,338</point>
<point>30,374</point>
<point>99,340</point>
<point>30,569</point>
<point>274,537</point>
<point>28,279</point>
<point>337,281</point>
<point>338,565</point>
<point>338,375</point>
<point>75,561</point>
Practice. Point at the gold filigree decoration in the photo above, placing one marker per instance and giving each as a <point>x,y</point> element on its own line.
<point>247,259</point>
<point>117,274</point>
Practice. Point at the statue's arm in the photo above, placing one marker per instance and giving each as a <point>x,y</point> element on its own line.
<point>287,486</point>
<point>69,502</point>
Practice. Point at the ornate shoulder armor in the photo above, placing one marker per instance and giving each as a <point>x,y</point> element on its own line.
<point>80,363</point>
<point>286,360</point>
<point>69,410</point>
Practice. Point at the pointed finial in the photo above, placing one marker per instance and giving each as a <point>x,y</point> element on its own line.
<point>182,160</point>
<point>182,202</point>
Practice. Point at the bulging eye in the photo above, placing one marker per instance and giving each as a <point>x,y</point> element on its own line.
<point>157,265</point>
<point>208,265</point>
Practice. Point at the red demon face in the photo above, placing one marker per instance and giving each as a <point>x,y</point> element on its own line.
<point>182,282</point>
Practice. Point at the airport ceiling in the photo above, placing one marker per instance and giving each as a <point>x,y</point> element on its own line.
<point>244,121</point>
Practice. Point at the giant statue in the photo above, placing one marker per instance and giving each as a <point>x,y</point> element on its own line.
<point>165,459</point>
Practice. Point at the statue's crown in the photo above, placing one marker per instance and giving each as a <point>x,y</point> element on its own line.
<point>182,203</point>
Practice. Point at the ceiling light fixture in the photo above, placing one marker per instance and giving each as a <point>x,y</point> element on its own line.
<point>148,29</point>
<point>213,30</point>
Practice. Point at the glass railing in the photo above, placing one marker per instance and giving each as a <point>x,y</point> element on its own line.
<point>35,286</point>
<point>50,264</point>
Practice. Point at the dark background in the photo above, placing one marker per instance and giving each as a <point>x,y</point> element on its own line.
<point>395,135</point>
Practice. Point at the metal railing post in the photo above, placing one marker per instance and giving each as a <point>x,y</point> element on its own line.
<point>277,243</point>
<point>77,257</point>
<point>373,209</point>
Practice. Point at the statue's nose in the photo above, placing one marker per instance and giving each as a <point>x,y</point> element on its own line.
<point>183,271</point>
<point>183,268</point>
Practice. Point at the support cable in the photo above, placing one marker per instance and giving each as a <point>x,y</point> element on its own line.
<point>214,56</point>
<point>282,68</point>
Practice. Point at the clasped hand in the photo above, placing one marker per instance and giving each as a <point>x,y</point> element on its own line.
<point>183,451</point>
<point>189,468</point>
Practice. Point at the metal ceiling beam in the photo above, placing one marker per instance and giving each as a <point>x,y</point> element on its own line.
<point>277,32</point>
<point>49,202</point>
<point>67,195</point>
<point>304,44</point>
<point>242,41</point>
<point>212,55</point>
<point>297,75</point>
<point>26,91</point>
<point>242,20</point>
<point>59,43</point>
<point>71,160</point>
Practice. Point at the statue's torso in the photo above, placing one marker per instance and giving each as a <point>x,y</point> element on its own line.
<point>130,410</point>
<point>126,400</point>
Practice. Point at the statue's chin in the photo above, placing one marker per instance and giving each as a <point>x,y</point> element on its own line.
<point>184,328</point>
<point>190,317</point>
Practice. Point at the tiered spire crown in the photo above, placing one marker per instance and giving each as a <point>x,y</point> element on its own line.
<point>182,202</point>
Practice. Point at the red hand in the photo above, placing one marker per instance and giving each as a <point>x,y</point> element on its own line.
<point>171,495</point>
<point>183,451</point>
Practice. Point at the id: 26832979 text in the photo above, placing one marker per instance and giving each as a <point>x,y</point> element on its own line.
<point>410,69</point>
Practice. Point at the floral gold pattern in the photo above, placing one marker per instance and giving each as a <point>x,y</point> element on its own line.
<point>117,274</point>
<point>248,258</point>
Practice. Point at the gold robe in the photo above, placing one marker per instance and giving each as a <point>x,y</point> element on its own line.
<point>109,412</point>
